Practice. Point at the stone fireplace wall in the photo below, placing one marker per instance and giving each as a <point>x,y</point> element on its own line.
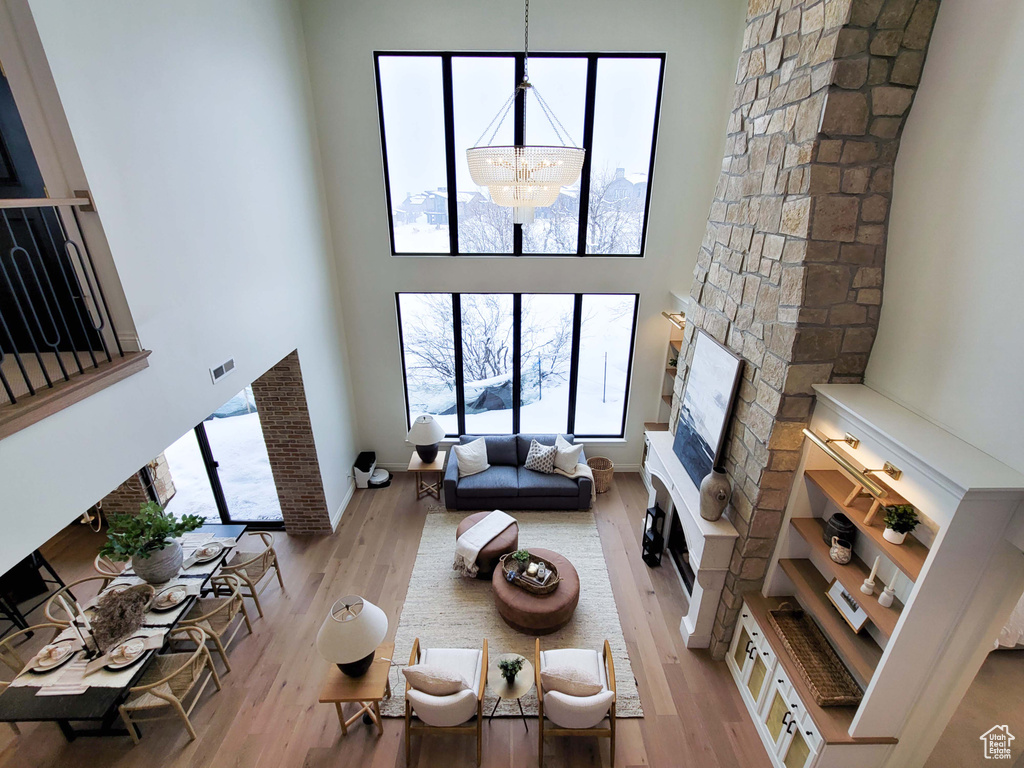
<point>791,268</point>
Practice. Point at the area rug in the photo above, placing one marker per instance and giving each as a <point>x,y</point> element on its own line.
<point>446,610</point>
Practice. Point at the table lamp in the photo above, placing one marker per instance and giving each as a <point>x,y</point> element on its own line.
<point>425,434</point>
<point>351,633</point>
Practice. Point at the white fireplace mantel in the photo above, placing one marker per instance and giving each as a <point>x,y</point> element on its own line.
<point>710,543</point>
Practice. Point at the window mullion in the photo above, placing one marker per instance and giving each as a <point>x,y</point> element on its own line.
<point>519,137</point>
<point>574,361</point>
<point>449,143</point>
<point>588,145</point>
<point>460,394</point>
<point>517,357</point>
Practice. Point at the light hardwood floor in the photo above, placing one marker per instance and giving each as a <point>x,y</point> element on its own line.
<point>267,715</point>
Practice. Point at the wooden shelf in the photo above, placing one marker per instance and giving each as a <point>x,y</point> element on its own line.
<point>655,426</point>
<point>833,722</point>
<point>675,345</point>
<point>851,576</point>
<point>909,556</point>
<point>671,369</point>
<point>857,650</point>
<point>667,399</point>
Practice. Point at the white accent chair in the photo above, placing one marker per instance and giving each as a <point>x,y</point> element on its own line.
<point>448,714</point>
<point>576,715</point>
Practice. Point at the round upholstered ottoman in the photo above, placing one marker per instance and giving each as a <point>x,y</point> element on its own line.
<point>538,614</point>
<point>505,542</point>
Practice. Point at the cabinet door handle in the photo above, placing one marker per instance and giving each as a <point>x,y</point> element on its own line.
<point>746,650</point>
<point>785,719</point>
<point>752,654</point>
<point>789,728</point>
<point>809,733</point>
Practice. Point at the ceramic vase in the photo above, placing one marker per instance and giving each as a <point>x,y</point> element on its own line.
<point>162,565</point>
<point>892,537</point>
<point>714,495</point>
<point>840,551</point>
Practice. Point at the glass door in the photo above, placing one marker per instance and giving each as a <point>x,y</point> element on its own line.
<point>221,469</point>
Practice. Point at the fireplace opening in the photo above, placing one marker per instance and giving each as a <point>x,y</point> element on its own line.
<point>680,552</point>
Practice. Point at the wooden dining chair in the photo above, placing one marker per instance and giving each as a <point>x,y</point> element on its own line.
<point>108,568</point>
<point>15,661</point>
<point>55,611</point>
<point>254,566</point>
<point>216,615</point>
<point>168,682</point>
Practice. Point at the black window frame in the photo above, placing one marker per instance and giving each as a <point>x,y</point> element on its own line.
<point>587,141</point>
<point>577,321</point>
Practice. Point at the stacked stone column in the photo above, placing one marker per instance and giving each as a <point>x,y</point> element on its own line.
<point>790,272</point>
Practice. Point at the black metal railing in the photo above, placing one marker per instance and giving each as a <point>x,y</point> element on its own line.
<point>54,318</point>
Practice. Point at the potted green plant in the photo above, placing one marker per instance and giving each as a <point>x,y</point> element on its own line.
<point>510,668</point>
<point>900,519</point>
<point>148,540</point>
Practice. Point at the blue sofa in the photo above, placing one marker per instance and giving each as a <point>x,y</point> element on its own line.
<point>510,485</point>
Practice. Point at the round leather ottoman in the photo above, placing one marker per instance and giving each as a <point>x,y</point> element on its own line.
<point>538,614</point>
<point>505,542</point>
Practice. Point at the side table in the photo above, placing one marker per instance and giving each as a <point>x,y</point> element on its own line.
<point>505,692</point>
<point>421,468</point>
<point>366,691</point>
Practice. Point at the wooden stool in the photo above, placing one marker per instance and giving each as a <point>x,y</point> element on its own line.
<point>435,468</point>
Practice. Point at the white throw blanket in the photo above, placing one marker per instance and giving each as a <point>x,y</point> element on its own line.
<point>582,470</point>
<point>476,538</point>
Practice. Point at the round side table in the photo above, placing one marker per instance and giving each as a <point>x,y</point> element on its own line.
<point>505,692</point>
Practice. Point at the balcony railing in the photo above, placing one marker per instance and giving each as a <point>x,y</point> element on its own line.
<point>56,329</point>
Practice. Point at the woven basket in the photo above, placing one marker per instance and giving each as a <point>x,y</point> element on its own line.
<point>509,563</point>
<point>830,681</point>
<point>603,470</point>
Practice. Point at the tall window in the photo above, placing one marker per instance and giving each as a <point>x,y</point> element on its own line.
<point>435,106</point>
<point>498,363</point>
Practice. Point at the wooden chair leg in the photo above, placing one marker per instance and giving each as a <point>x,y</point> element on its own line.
<point>277,570</point>
<point>540,740</point>
<point>184,716</point>
<point>613,735</point>
<point>479,731</point>
<point>15,728</point>
<point>254,594</point>
<point>129,725</point>
<point>245,615</point>
<point>408,750</point>
<point>213,669</point>
<point>222,651</point>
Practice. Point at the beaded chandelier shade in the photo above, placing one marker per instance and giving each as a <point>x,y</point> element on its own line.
<point>525,177</point>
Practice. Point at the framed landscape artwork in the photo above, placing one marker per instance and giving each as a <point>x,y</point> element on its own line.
<point>707,402</point>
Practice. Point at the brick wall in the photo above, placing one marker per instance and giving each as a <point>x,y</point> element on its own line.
<point>790,271</point>
<point>281,402</point>
<point>129,495</point>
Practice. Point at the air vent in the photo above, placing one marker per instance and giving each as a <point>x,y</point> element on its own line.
<point>222,370</point>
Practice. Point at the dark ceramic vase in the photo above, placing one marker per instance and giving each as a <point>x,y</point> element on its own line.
<point>839,525</point>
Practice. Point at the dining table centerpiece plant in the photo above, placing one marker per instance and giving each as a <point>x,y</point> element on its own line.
<point>900,519</point>
<point>510,668</point>
<point>148,540</point>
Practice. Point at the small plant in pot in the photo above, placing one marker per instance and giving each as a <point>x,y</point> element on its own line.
<point>900,519</point>
<point>148,540</point>
<point>510,668</point>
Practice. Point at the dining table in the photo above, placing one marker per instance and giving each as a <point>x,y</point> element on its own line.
<point>28,699</point>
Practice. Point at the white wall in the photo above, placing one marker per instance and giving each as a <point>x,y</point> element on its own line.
<point>193,122</point>
<point>702,41</point>
<point>949,344</point>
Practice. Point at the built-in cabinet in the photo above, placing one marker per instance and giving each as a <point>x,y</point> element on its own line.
<point>955,582</point>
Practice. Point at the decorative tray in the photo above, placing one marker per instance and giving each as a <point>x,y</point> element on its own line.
<point>510,565</point>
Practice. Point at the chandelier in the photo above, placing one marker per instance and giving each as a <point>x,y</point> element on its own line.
<point>524,177</point>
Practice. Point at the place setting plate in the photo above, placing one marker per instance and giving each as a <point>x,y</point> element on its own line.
<point>208,552</point>
<point>53,656</point>
<point>169,598</point>
<point>126,653</point>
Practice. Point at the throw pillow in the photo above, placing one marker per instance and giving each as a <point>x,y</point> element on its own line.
<point>472,457</point>
<point>567,455</point>
<point>571,681</point>
<point>437,681</point>
<point>541,458</point>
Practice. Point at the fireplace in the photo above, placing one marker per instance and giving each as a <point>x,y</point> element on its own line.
<point>680,552</point>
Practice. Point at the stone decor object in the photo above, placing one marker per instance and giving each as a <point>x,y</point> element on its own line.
<point>790,271</point>
<point>163,565</point>
<point>715,492</point>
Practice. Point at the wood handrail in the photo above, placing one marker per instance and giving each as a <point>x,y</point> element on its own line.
<point>46,202</point>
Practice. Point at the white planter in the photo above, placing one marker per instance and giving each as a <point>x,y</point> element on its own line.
<point>892,537</point>
<point>163,565</point>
